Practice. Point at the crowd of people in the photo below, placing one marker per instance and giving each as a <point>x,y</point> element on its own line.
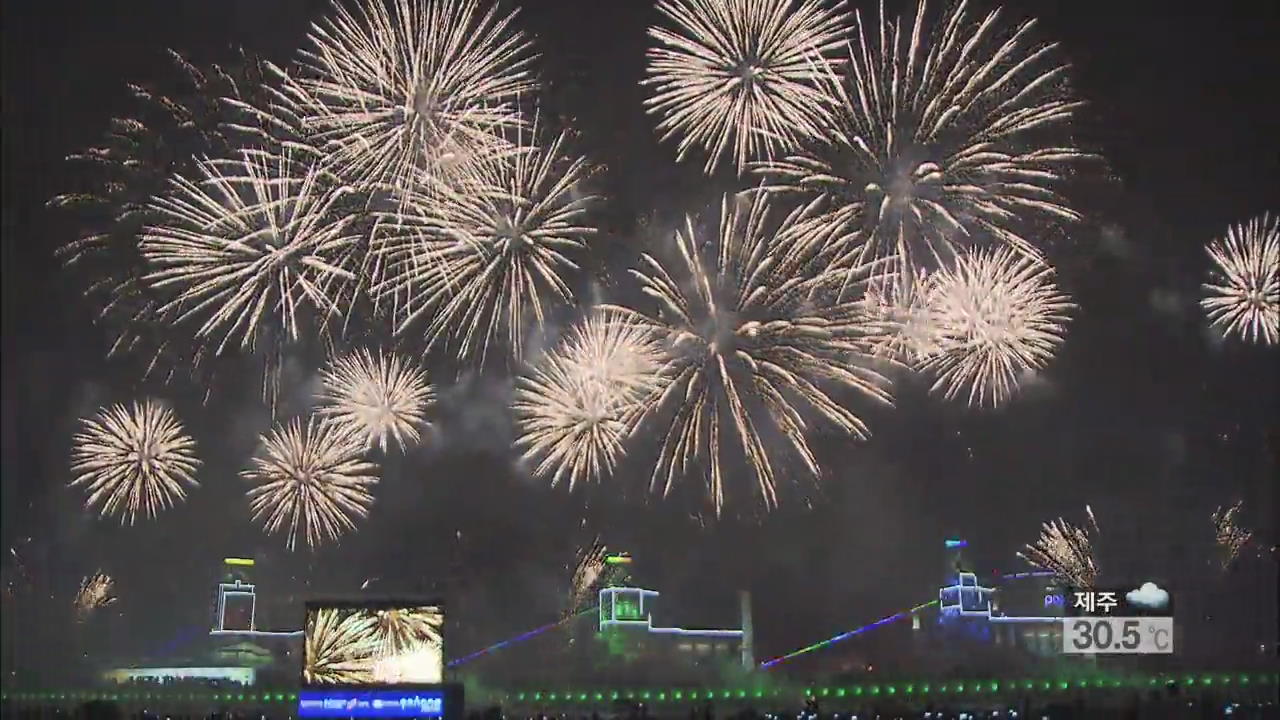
<point>1138,709</point>
<point>172,683</point>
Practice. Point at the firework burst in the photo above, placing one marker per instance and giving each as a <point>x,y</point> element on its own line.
<point>96,592</point>
<point>253,244</point>
<point>1067,551</point>
<point>402,630</point>
<point>901,303</point>
<point>311,478</point>
<point>376,397</point>
<point>1231,538</point>
<point>339,645</point>
<point>998,317</point>
<point>743,76</point>
<point>573,407</point>
<point>401,87</point>
<point>204,114</point>
<point>133,460</point>
<point>945,132</point>
<point>1243,296</point>
<point>751,350</point>
<point>481,258</point>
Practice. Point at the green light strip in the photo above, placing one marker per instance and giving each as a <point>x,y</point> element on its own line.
<point>902,688</point>
<point>899,688</point>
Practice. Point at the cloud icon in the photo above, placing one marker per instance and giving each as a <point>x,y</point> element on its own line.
<point>1150,596</point>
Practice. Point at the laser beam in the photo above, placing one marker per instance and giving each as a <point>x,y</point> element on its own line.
<point>517,639</point>
<point>845,636</point>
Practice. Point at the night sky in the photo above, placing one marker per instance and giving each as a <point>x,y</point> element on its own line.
<point>1142,414</point>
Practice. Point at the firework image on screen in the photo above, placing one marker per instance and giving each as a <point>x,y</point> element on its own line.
<point>373,644</point>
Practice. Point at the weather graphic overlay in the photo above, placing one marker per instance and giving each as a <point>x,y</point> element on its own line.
<point>1118,621</point>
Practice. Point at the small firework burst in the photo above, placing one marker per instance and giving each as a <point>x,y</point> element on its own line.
<point>901,302</point>
<point>742,77</point>
<point>1231,538</point>
<point>339,646</point>
<point>133,460</point>
<point>311,478</point>
<point>573,407</point>
<point>376,396</point>
<point>1067,551</point>
<point>998,317</point>
<point>1243,295</point>
<point>589,568</point>
<point>96,592</point>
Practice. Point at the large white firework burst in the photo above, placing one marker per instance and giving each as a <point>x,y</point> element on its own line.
<point>401,87</point>
<point>482,258</point>
<point>574,405</point>
<point>1243,295</point>
<point>133,460</point>
<point>377,397</point>
<point>210,112</point>
<point>753,348</point>
<point>251,248</point>
<point>339,646</point>
<point>743,76</point>
<point>311,479</point>
<point>998,317</point>
<point>947,132</point>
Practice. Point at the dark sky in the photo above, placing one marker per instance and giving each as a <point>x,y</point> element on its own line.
<point>1141,414</point>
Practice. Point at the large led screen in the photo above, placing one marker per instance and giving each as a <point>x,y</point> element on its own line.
<point>373,644</point>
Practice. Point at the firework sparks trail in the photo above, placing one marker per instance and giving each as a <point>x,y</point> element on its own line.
<point>1231,538</point>
<point>590,567</point>
<point>742,76</point>
<point>376,396</point>
<point>752,349</point>
<point>1243,295</point>
<point>945,132</point>
<point>999,317</point>
<point>17,578</point>
<point>252,244</point>
<point>1067,551</point>
<point>574,406</point>
<point>339,646</point>
<point>96,592</point>
<point>206,114</point>
<point>133,460</point>
<point>480,259</point>
<point>312,478</point>
<point>402,87</point>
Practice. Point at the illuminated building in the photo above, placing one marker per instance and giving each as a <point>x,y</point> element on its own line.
<point>236,599</point>
<point>630,610</point>
<point>233,651</point>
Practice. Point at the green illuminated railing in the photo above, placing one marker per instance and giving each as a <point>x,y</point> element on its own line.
<point>900,689</point>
